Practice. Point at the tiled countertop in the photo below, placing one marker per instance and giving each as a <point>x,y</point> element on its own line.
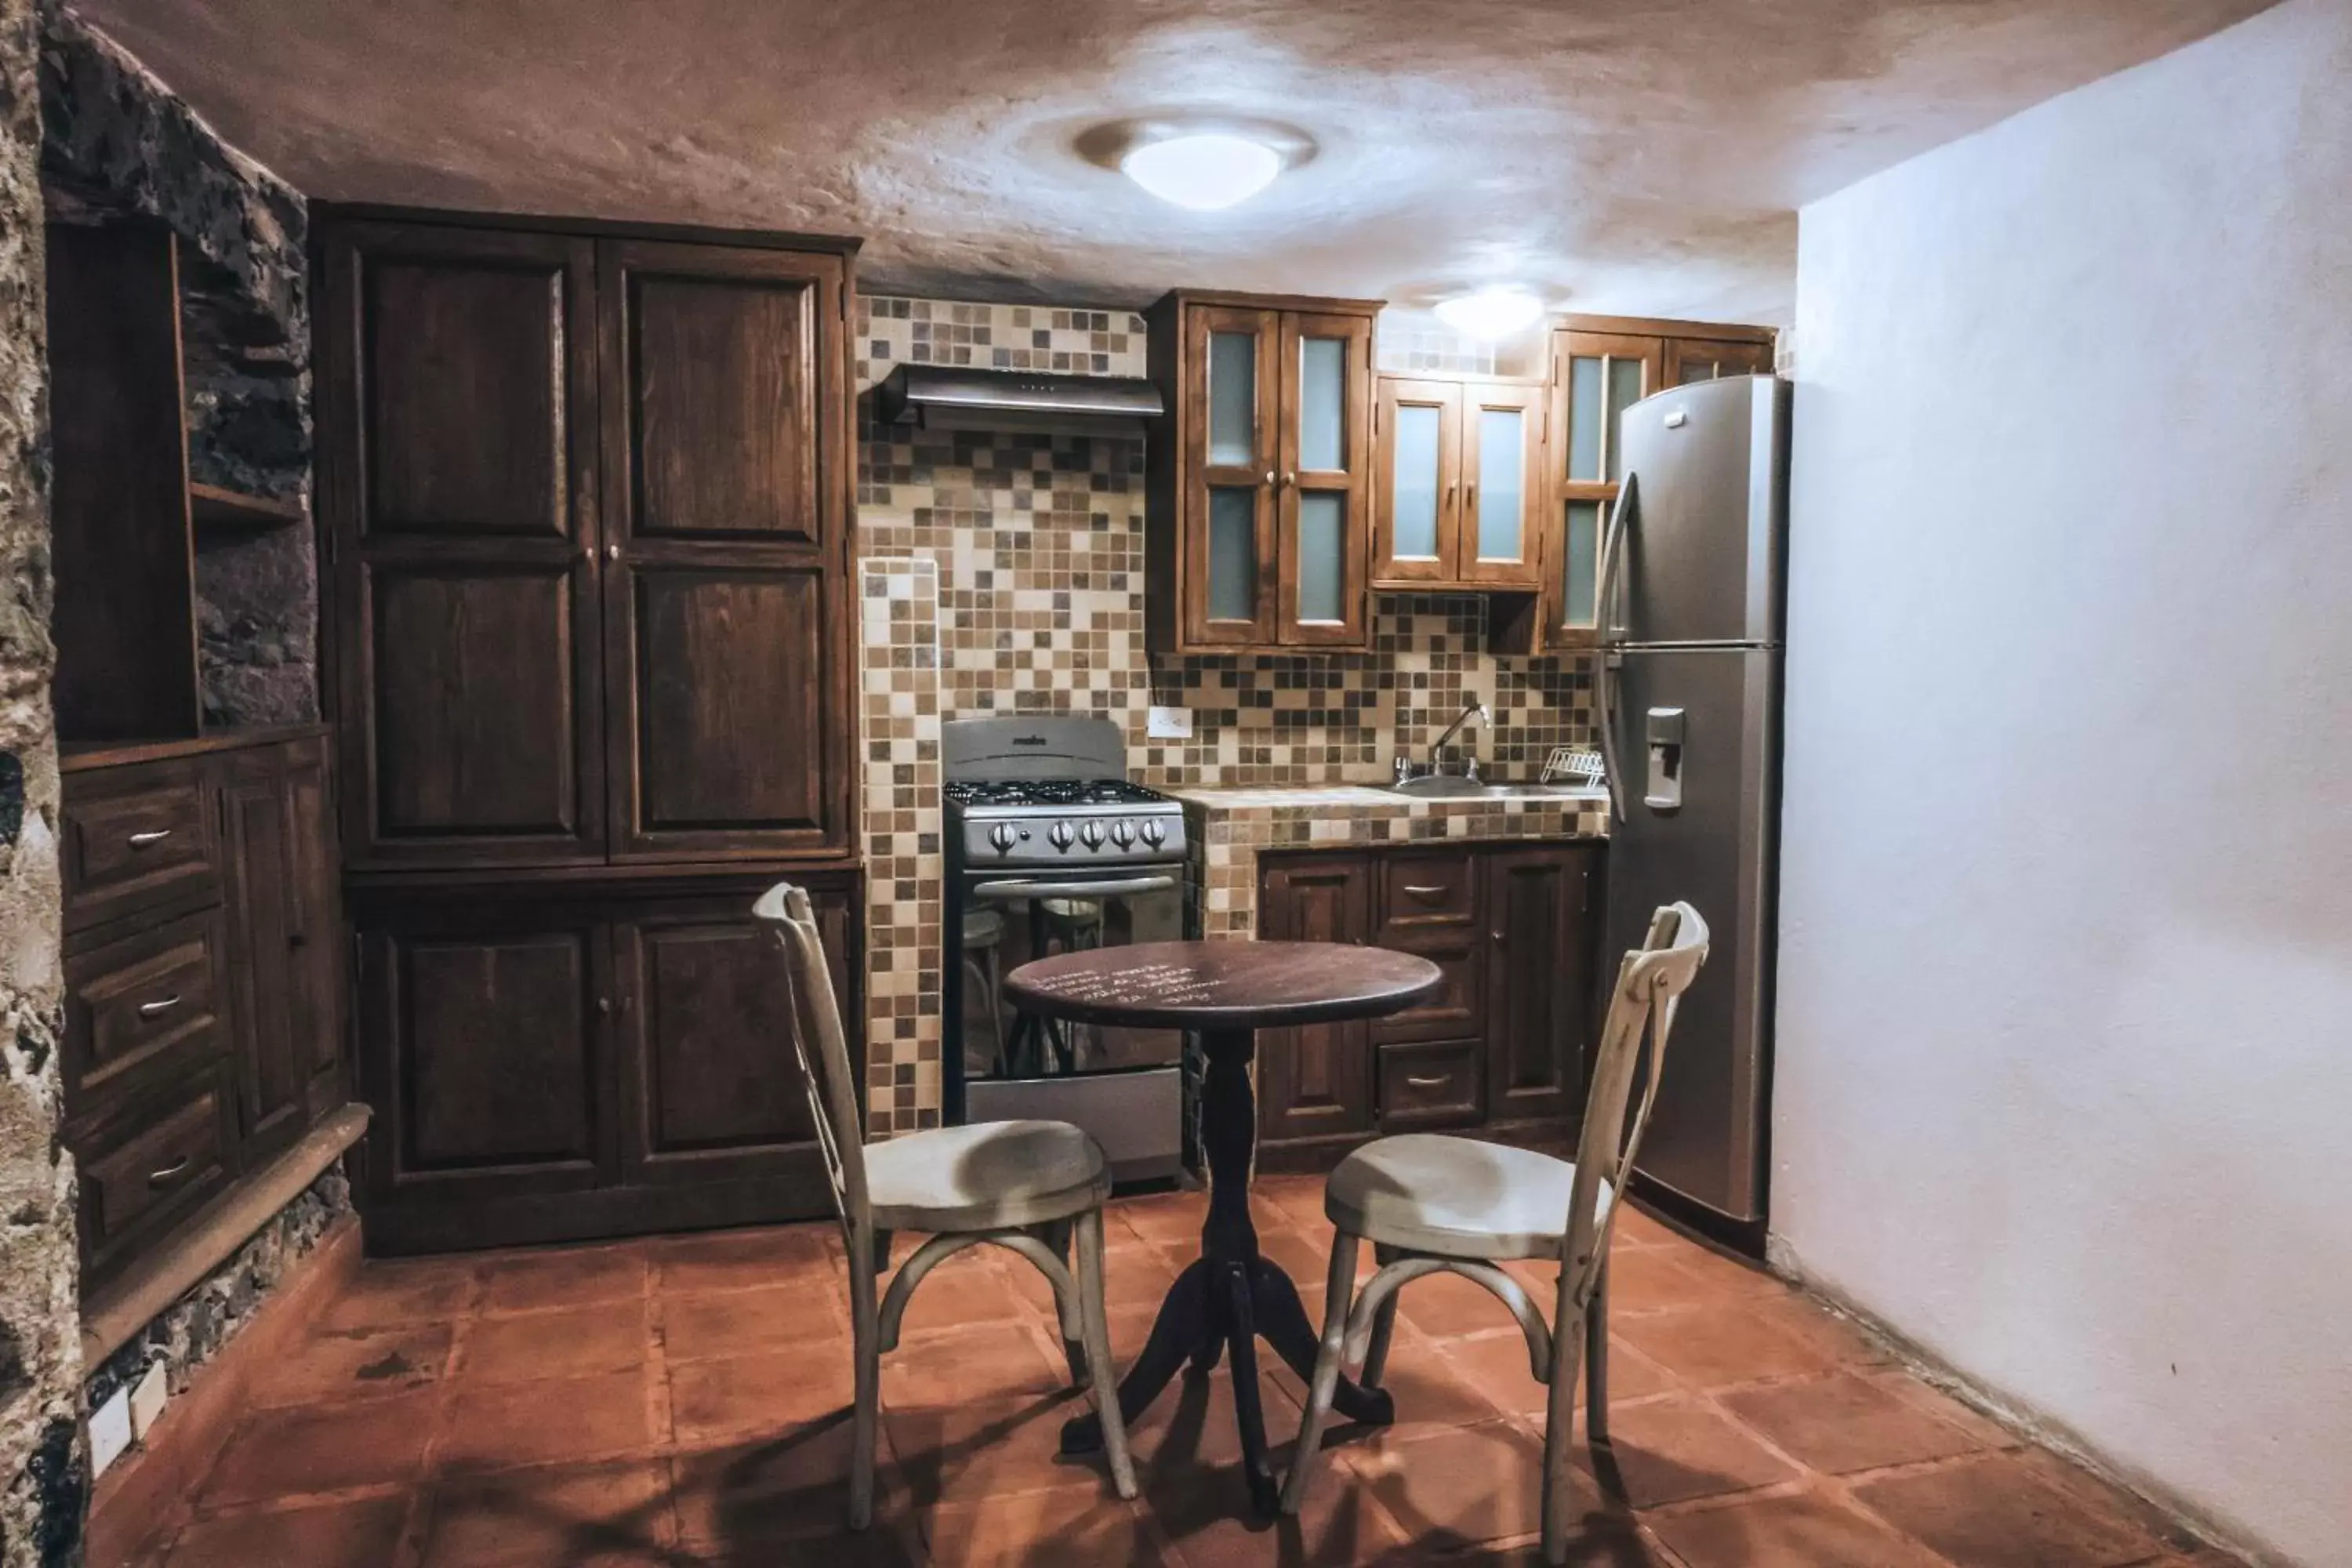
<point>1229,827</point>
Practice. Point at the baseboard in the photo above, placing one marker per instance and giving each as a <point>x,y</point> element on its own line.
<point>145,1490</point>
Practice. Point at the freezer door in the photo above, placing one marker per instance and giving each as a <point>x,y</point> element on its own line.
<point>1700,825</point>
<point>1700,549</point>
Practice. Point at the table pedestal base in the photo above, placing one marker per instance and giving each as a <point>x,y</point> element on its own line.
<point>1230,1297</point>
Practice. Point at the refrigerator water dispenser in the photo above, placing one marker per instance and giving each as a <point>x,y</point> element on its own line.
<point>1665,736</point>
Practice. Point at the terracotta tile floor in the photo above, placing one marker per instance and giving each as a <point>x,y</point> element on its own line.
<point>683,1402</point>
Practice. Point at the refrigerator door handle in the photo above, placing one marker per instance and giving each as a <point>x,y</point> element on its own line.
<point>1613,555</point>
<point>1609,659</point>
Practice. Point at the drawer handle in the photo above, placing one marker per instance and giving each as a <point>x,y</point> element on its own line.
<point>171,1174</point>
<point>1428,1082</point>
<point>153,1009</point>
<point>1423,891</point>
<point>152,835</point>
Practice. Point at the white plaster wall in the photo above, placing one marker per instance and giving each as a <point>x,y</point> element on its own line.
<point>2065,1080</point>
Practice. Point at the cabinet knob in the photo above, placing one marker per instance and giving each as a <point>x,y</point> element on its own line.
<point>612,552</point>
<point>1290,479</point>
<point>1499,938</point>
<point>604,1005</point>
<point>1269,476</point>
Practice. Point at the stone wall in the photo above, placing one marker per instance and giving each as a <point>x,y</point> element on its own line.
<point>44,1471</point>
<point>117,143</point>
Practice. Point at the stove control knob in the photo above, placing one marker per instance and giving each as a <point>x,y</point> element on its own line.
<point>1002,836</point>
<point>1154,834</point>
<point>1092,834</point>
<point>1122,833</point>
<point>1061,834</point>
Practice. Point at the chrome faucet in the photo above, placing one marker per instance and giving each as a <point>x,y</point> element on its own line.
<point>1404,765</point>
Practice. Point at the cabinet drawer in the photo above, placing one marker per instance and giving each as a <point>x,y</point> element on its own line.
<point>1432,1085</point>
<point>1456,1008</point>
<point>1421,890</point>
<point>135,837</point>
<point>153,1165</point>
<point>145,1006</point>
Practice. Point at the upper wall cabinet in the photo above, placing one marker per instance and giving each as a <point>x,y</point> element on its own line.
<point>586,503</point>
<point>1600,366</point>
<point>1463,489</point>
<point>1260,493</point>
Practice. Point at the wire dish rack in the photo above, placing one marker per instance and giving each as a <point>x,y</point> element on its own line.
<point>1572,764</point>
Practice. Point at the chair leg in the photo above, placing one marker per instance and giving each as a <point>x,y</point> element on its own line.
<point>1056,1235</point>
<point>866,1334</point>
<point>1559,1491</point>
<point>1096,1334</point>
<point>1338,1293</point>
<point>1376,1355</point>
<point>1596,1361</point>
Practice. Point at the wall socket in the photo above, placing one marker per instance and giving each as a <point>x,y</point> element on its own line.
<point>1168,723</point>
<point>110,1431</point>
<point>147,1397</point>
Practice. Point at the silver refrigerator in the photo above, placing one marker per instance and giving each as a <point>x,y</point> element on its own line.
<point>1691,603</point>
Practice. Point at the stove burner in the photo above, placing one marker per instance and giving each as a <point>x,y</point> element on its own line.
<point>1051,793</point>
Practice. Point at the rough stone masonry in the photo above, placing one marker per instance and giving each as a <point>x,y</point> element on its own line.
<point>44,1467</point>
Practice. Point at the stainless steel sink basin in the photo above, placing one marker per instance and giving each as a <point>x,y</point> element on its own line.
<point>1448,786</point>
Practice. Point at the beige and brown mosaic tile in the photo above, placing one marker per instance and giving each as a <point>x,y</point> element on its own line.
<point>1002,573</point>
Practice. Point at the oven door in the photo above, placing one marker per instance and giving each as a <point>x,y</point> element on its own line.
<point>1006,919</point>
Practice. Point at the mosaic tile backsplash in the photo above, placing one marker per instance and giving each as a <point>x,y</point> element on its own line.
<point>1004,573</point>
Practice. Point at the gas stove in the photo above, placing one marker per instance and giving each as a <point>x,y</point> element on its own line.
<point>1037,793</point>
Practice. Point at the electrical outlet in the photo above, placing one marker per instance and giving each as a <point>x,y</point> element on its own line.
<point>110,1431</point>
<point>147,1399</point>
<point>1168,723</point>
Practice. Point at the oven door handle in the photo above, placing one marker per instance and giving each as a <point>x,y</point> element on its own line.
<point>1045,887</point>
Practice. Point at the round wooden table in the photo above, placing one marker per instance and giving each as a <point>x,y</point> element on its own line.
<point>1225,992</point>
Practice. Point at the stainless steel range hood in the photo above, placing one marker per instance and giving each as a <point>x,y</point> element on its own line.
<point>958,398</point>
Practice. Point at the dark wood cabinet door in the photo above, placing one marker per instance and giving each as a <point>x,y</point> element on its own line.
<point>727,611</point>
<point>1315,1081</point>
<point>1541,903</point>
<point>315,930</point>
<point>1227,474</point>
<point>1705,359</point>
<point>711,1088</point>
<point>1417,449</point>
<point>458,489</point>
<point>484,1048</point>
<point>1325,516</point>
<point>271,1051</point>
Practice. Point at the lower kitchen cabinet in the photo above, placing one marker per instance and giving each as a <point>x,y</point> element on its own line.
<point>566,1061</point>
<point>1502,1044</point>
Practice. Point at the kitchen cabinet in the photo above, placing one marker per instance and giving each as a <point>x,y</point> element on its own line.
<point>1462,490</point>
<point>587,504</point>
<point>203,1029</point>
<point>1257,523</point>
<point>560,1062</point>
<point>587,495</point>
<point>1600,365</point>
<point>1502,1044</point>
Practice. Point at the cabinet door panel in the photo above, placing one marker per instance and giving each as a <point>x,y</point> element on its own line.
<point>1323,520</point>
<point>724,373</point>
<point>466,427</point>
<point>483,1049</point>
<point>459,494</point>
<point>1227,475</point>
<point>730,683</point>
<point>315,929</point>
<point>476,704</point>
<point>1594,376</point>
<point>1704,359</point>
<point>272,1060</point>
<point>1504,488</point>
<point>1315,1081</point>
<point>712,1087</point>
<point>1417,446</point>
<point>1539,986</point>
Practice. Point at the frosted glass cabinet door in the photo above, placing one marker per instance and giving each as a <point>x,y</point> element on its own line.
<point>1232,463</point>
<point>1418,430</point>
<point>1504,484</point>
<point>1323,520</point>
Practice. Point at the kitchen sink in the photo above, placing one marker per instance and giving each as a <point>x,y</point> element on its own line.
<point>1449,786</point>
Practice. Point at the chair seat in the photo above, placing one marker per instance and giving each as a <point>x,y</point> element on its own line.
<point>1457,1197</point>
<point>984,1176</point>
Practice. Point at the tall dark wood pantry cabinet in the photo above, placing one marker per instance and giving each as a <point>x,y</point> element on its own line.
<point>587,497</point>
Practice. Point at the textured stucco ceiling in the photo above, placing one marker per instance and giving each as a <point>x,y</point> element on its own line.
<point>1642,156</point>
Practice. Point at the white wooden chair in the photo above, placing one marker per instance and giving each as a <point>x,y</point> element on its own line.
<point>1429,1203</point>
<point>1028,1186</point>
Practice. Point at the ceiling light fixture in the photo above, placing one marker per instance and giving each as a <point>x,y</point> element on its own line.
<point>1206,171</point>
<point>1490,312</point>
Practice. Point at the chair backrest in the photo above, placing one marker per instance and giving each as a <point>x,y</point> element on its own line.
<point>1650,984</point>
<point>817,1038</point>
